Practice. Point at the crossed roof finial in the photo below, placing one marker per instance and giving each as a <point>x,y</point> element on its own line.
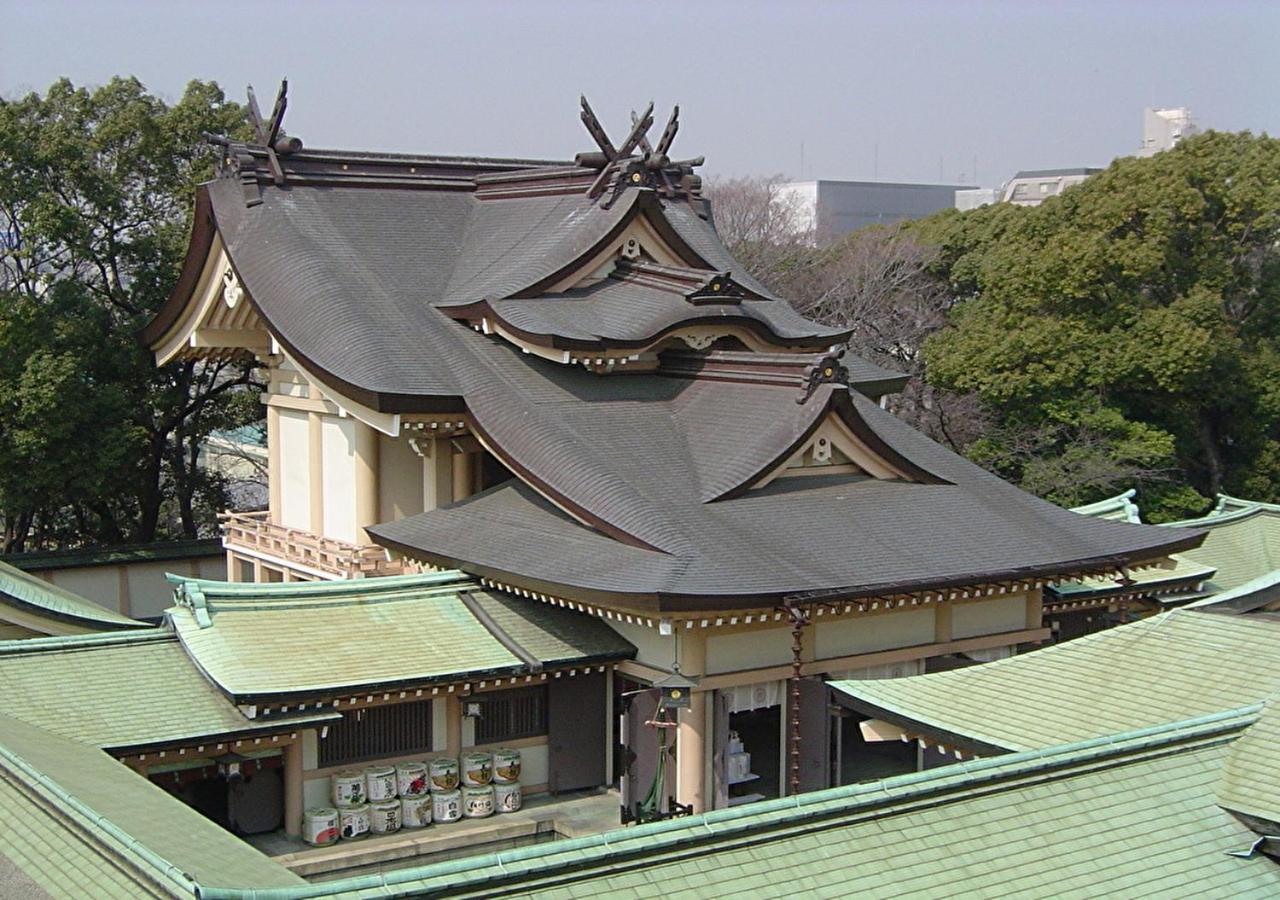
<point>648,167</point>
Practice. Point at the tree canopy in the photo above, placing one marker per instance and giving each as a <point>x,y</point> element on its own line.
<point>96,194</point>
<point>1126,331</point>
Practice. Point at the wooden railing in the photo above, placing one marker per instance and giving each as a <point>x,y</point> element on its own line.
<point>314,552</point>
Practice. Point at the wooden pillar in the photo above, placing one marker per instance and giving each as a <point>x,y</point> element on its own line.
<point>453,722</point>
<point>259,574</point>
<point>233,567</point>
<point>123,602</point>
<point>942,623</point>
<point>437,473</point>
<point>463,476</point>
<point>691,735</point>
<point>315,471</point>
<point>1035,608</point>
<point>366,480</point>
<point>293,788</point>
<point>274,483</point>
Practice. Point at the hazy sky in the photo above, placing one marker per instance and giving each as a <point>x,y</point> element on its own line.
<point>899,91</point>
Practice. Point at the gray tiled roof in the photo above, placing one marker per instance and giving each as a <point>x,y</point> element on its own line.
<point>350,280</point>
<point>813,533</point>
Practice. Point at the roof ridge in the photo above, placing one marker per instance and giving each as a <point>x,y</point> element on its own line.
<point>84,641</point>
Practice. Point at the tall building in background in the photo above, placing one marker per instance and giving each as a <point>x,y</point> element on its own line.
<point>1162,128</point>
<point>834,208</point>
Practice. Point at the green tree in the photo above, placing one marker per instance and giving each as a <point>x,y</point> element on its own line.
<point>1125,331</point>
<point>96,193</point>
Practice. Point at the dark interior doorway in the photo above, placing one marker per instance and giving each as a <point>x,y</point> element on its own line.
<point>862,760</point>
<point>759,730</point>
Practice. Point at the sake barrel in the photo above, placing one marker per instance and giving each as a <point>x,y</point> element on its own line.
<point>446,806</point>
<point>353,822</point>
<point>443,773</point>
<point>384,816</point>
<point>507,797</point>
<point>477,769</point>
<point>415,812</point>
<point>320,825</point>
<point>348,788</point>
<point>477,802</point>
<point>506,766</point>
<point>411,779</point>
<point>380,783</point>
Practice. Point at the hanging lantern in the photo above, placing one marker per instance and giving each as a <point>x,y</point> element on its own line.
<point>675,691</point>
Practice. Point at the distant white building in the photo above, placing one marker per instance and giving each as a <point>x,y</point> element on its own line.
<point>1162,128</point>
<point>972,198</point>
<point>833,208</point>
<point>1031,188</point>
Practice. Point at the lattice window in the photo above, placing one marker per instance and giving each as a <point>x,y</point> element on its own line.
<point>378,731</point>
<point>509,715</point>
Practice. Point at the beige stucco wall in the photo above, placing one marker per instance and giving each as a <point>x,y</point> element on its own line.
<point>866,634</point>
<point>748,650</point>
<point>399,479</point>
<point>148,592</point>
<point>295,470</point>
<point>652,648</point>
<point>989,616</point>
<point>338,477</point>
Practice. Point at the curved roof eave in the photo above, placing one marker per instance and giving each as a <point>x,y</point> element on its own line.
<point>736,319</point>
<point>203,229</point>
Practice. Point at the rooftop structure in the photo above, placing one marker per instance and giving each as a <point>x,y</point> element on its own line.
<point>1235,569</point>
<point>554,377</point>
<point>1033,187</point>
<point>1163,128</point>
<point>293,643</point>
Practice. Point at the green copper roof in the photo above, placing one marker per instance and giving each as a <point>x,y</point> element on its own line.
<point>117,691</point>
<point>1128,815</point>
<point>1251,777</point>
<point>33,596</point>
<point>307,639</point>
<point>1185,580</point>
<point>1242,544</point>
<point>1166,668</point>
<point>1119,508</point>
<point>78,823</point>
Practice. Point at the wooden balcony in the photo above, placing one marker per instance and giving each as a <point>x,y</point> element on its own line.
<point>305,551</point>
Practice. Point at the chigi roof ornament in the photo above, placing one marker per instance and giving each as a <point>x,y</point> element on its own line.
<point>651,167</point>
<point>268,135</point>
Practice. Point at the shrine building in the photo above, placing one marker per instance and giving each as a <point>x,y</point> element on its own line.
<point>551,381</point>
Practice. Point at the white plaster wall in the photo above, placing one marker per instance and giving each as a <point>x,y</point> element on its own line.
<point>748,650</point>
<point>867,634</point>
<point>652,648</point>
<point>993,616</point>
<point>338,468</point>
<point>399,479</point>
<point>295,470</point>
